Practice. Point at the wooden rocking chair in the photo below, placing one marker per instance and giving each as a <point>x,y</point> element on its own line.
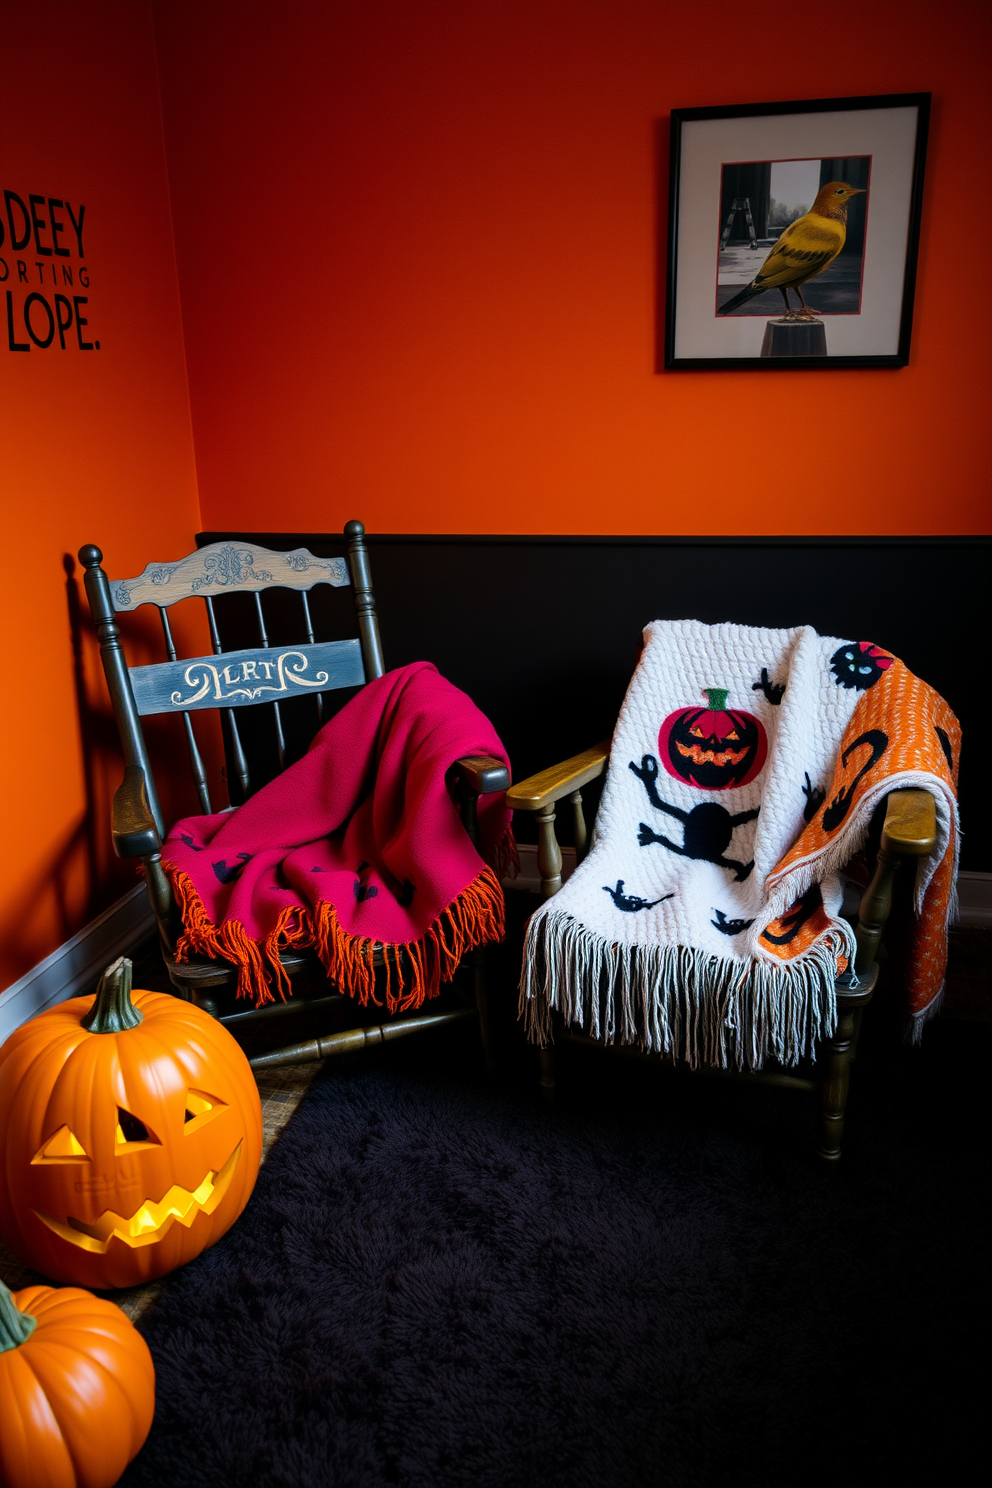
<point>288,672</point>
<point>908,831</point>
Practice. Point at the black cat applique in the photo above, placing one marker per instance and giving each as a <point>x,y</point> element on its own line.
<point>706,830</point>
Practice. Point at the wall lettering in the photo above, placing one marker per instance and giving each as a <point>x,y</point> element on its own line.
<point>39,314</point>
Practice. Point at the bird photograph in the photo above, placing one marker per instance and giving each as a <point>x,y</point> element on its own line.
<point>800,199</point>
<point>807,247</point>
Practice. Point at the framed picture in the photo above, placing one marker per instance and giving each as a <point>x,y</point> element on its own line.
<point>793,231</point>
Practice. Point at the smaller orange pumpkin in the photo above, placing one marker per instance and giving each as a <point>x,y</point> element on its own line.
<point>77,1389</point>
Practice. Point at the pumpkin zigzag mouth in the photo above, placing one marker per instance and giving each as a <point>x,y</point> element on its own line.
<point>701,756</point>
<point>152,1219</point>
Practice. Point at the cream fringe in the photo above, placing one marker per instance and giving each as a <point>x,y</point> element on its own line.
<point>670,999</point>
<point>915,1025</point>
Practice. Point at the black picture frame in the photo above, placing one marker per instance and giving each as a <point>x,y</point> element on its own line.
<point>696,330</point>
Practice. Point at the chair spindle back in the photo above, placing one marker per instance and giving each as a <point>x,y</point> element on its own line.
<point>267,674</point>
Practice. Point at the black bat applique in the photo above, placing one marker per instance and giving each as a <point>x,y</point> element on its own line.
<point>878,743</point>
<point>404,898</point>
<point>631,903</point>
<point>815,797</point>
<point>796,917</point>
<point>706,829</point>
<point>729,927</point>
<point>364,891</point>
<point>774,691</point>
<point>228,875</point>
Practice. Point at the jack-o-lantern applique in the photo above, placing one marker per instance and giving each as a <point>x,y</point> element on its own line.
<point>714,748</point>
<point>132,1135</point>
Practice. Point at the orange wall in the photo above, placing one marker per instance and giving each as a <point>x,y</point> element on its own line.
<point>417,245</point>
<point>96,445</point>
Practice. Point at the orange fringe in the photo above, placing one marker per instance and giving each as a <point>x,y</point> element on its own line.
<point>414,970</point>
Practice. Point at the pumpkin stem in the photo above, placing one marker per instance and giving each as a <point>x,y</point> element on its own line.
<point>112,1010</point>
<point>15,1326</point>
<point>718,698</point>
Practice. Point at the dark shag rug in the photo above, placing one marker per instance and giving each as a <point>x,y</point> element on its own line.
<point>436,1284</point>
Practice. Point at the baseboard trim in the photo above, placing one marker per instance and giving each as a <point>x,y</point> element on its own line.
<point>974,889</point>
<point>975,900</point>
<point>528,877</point>
<point>75,966</point>
<point>280,540</point>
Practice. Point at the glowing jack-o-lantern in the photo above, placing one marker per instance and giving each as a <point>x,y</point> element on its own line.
<point>132,1134</point>
<point>714,748</point>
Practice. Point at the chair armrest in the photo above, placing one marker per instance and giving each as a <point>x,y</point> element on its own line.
<point>481,774</point>
<point>910,828</point>
<point>539,791</point>
<point>132,824</point>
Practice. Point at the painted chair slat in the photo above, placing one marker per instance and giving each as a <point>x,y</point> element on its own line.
<point>239,679</point>
<point>263,636</point>
<point>226,568</point>
<point>308,622</point>
<point>230,723</point>
<point>195,758</point>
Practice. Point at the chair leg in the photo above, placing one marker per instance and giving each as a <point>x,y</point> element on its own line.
<point>189,992</point>
<point>482,1007</point>
<point>837,1055</point>
<point>206,1003</point>
<point>200,997</point>
<point>353,1040</point>
<point>548,1076</point>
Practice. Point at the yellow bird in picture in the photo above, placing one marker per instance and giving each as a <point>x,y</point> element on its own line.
<point>805,249</point>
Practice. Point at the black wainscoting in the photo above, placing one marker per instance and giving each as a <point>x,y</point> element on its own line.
<point>543,631</point>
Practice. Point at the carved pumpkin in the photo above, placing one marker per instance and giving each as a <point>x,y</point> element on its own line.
<point>132,1135</point>
<point>77,1389</point>
<point>714,748</point>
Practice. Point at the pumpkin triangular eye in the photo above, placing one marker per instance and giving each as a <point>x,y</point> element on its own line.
<point>201,1108</point>
<point>131,1131</point>
<point>64,1146</point>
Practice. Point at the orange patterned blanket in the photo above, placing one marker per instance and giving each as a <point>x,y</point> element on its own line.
<point>901,733</point>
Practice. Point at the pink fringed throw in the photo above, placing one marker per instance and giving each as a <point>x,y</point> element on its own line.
<point>356,845</point>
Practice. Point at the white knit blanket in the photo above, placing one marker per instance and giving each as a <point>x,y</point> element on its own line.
<point>674,933</point>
